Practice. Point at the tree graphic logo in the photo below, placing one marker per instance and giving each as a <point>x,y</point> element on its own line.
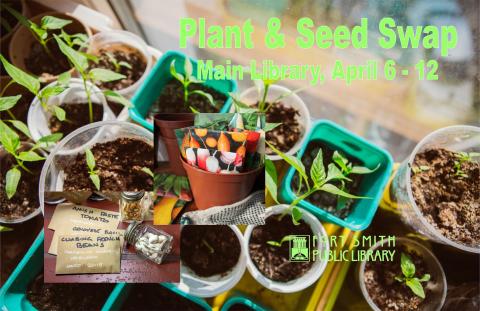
<point>300,248</point>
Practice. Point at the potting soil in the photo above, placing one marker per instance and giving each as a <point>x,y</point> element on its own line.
<point>287,134</point>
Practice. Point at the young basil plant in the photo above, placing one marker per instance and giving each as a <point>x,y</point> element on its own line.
<point>92,171</point>
<point>463,157</point>
<point>283,240</point>
<point>408,278</point>
<point>117,64</point>
<point>187,79</point>
<point>11,143</point>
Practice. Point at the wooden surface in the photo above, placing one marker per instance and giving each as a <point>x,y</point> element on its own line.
<point>134,269</point>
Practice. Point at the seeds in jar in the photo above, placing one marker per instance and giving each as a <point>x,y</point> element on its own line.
<point>151,245</point>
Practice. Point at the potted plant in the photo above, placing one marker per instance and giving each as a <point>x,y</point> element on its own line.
<point>212,259</point>
<point>33,50</point>
<point>284,109</point>
<point>413,280</point>
<point>268,258</point>
<point>436,188</point>
<point>165,88</point>
<point>9,23</point>
<point>350,180</point>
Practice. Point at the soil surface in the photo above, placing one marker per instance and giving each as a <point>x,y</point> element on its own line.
<point>115,107</point>
<point>171,99</point>
<point>324,200</point>
<point>146,297</point>
<point>25,200</point>
<point>45,65</point>
<point>240,307</point>
<point>119,164</point>
<point>9,19</point>
<point>77,115</point>
<point>286,135</point>
<point>121,53</point>
<point>388,293</point>
<point>450,203</point>
<point>273,261</point>
<point>209,250</point>
<point>57,297</point>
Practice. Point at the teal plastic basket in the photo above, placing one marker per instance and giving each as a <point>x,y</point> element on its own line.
<point>120,294</point>
<point>241,300</point>
<point>372,185</point>
<point>151,88</point>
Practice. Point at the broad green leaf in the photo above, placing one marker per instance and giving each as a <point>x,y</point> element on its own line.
<point>274,243</point>
<point>79,61</point>
<point>20,77</point>
<point>270,126</point>
<point>147,171</point>
<point>39,31</point>
<point>296,215</point>
<point>340,160</point>
<point>5,229</point>
<point>177,187</point>
<point>9,102</point>
<point>59,113</point>
<point>188,68</point>
<point>118,98</point>
<point>334,173</point>
<point>125,64</point>
<point>283,240</point>
<point>334,190</point>
<point>12,179</point>
<point>424,278</point>
<point>52,138</point>
<point>408,268</point>
<point>52,90</point>
<point>317,170</point>
<point>271,179</point>
<point>30,156</point>
<point>104,75</point>
<point>175,74</point>
<point>416,287</point>
<point>22,127</point>
<point>206,95</point>
<point>51,22</point>
<point>64,78</point>
<point>293,161</point>
<point>363,170</point>
<point>90,159</point>
<point>168,183</point>
<point>95,180</point>
<point>8,138</point>
<point>90,57</point>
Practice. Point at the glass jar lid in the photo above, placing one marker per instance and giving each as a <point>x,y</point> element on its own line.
<point>132,195</point>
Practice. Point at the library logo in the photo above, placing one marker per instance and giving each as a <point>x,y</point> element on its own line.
<point>300,248</point>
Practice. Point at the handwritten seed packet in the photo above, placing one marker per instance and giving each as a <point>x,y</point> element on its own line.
<point>79,215</point>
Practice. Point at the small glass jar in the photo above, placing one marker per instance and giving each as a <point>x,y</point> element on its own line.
<point>133,206</point>
<point>149,242</point>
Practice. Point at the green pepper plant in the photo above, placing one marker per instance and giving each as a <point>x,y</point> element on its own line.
<point>408,278</point>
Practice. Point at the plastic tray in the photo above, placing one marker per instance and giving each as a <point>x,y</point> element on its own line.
<point>241,300</point>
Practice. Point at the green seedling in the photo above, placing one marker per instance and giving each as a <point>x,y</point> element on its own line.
<point>408,278</point>
<point>148,171</point>
<point>77,41</point>
<point>188,79</point>
<point>210,248</point>
<point>283,240</point>
<point>33,85</point>
<point>11,144</point>
<point>92,171</point>
<point>117,64</point>
<point>463,157</point>
<point>5,229</point>
<point>419,169</point>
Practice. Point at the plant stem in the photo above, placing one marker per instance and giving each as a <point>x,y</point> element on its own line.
<point>90,106</point>
<point>11,114</point>
<point>185,93</point>
<point>261,106</point>
<point>6,87</point>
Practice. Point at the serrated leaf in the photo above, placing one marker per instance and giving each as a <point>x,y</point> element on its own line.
<point>52,22</point>
<point>12,179</point>
<point>90,159</point>
<point>206,95</point>
<point>22,127</point>
<point>104,75</point>
<point>118,98</point>
<point>8,102</point>
<point>317,170</point>
<point>334,190</point>
<point>364,170</point>
<point>95,180</point>
<point>408,268</point>
<point>30,156</point>
<point>79,61</point>
<point>20,77</point>
<point>271,179</point>
<point>416,287</point>
<point>59,113</point>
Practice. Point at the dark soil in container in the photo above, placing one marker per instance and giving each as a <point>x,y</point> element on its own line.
<point>25,200</point>
<point>388,293</point>
<point>57,297</point>
<point>240,307</point>
<point>209,250</point>
<point>146,297</point>
<point>40,63</point>
<point>115,107</point>
<point>450,203</point>
<point>272,261</point>
<point>119,164</point>
<point>324,200</point>
<point>121,53</point>
<point>171,99</point>
<point>7,18</point>
<point>286,135</point>
<point>77,115</point>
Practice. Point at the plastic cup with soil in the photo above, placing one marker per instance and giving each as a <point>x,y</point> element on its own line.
<point>212,259</point>
<point>381,289</point>
<point>437,188</point>
<point>75,103</point>
<point>24,204</point>
<point>29,55</point>
<point>9,23</point>
<point>270,264</point>
<point>124,53</point>
<point>121,151</point>
<point>291,112</point>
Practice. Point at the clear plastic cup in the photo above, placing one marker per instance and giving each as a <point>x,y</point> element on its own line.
<point>455,138</point>
<point>52,176</point>
<point>438,286</point>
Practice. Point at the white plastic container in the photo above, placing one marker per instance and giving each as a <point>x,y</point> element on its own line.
<point>38,118</point>
<point>436,299</point>
<point>308,278</point>
<point>214,285</point>
<point>251,96</point>
<point>455,138</point>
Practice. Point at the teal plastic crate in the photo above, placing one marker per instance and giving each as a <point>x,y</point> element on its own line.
<point>120,294</point>
<point>372,184</point>
<point>151,88</point>
<point>239,299</point>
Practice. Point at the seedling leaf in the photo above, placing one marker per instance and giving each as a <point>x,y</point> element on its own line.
<point>296,215</point>
<point>26,80</point>
<point>363,170</point>
<point>22,127</point>
<point>104,75</point>
<point>51,22</point>
<point>30,156</point>
<point>206,95</point>
<point>118,98</point>
<point>334,190</point>
<point>408,268</point>
<point>90,159</point>
<point>59,113</point>
<point>148,171</point>
<point>8,102</point>
<point>95,180</point>
<point>317,170</point>
<point>271,179</point>
<point>79,61</point>
<point>12,179</point>
<point>416,287</point>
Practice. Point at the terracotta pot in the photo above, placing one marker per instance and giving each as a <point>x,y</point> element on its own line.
<point>22,40</point>
<point>174,156</point>
<point>6,38</point>
<point>167,123</point>
<point>210,189</point>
